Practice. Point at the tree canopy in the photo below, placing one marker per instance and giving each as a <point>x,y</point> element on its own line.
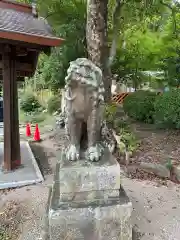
<point>147,34</point>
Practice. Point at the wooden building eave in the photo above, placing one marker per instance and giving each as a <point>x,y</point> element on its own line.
<point>34,39</point>
<point>21,7</point>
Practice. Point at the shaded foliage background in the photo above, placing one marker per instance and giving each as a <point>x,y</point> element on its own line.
<point>148,40</point>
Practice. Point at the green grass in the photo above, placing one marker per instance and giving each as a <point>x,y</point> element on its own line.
<point>33,118</point>
<point>42,119</point>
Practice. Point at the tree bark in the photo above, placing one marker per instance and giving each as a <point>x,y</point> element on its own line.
<point>97,39</point>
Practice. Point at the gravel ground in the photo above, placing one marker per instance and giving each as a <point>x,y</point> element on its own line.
<point>156,214</point>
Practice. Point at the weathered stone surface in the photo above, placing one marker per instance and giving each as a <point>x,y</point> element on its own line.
<point>84,105</point>
<point>176,170</point>
<point>106,221</point>
<point>88,196</point>
<point>157,169</point>
<point>82,176</point>
<point>91,205</point>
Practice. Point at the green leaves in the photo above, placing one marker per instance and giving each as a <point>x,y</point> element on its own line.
<point>148,39</point>
<point>29,103</point>
<point>140,105</point>
<point>110,112</point>
<point>167,110</point>
<point>68,21</point>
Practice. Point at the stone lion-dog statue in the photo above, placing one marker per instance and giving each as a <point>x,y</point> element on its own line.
<point>84,105</point>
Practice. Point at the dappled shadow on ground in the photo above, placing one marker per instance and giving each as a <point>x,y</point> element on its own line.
<point>41,157</point>
<point>157,146</point>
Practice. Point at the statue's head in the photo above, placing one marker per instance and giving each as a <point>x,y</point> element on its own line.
<point>83,73</point>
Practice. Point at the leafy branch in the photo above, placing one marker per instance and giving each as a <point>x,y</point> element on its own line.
<point>116,25</point>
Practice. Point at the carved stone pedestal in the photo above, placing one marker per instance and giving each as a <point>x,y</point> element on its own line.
<point>87,202</point>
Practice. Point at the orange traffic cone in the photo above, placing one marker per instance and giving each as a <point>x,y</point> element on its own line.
<point>28,130</point>
<point>37,134</point>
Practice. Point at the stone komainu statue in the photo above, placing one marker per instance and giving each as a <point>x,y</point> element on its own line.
<point>84,106</point>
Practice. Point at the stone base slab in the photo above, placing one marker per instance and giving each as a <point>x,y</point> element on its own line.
<point>106,220</point>
<point>87,202</point>
<point>82,175</point>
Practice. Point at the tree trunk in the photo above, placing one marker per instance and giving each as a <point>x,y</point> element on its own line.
<point>97,39</point>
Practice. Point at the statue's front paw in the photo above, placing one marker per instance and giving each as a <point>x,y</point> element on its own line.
<point>72,153</point>
<point>94,153</point>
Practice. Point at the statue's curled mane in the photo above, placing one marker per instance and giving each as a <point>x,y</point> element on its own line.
<point>87,73</point>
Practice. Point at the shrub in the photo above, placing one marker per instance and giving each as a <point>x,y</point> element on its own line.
<point>129,140</point>
<point>167,110</point>
<point>37,117</point>
<point>110,113</point>
<point>140,105</point>
<point>121,124</point>
<point>29,103</point>
<point>54,104</point>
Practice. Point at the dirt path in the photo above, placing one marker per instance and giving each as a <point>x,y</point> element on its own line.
<point>156,214</point>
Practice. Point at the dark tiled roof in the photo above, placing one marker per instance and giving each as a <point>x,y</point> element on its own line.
<point>24,23</point>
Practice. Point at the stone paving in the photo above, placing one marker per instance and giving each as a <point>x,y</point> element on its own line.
<point>27,174</point>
